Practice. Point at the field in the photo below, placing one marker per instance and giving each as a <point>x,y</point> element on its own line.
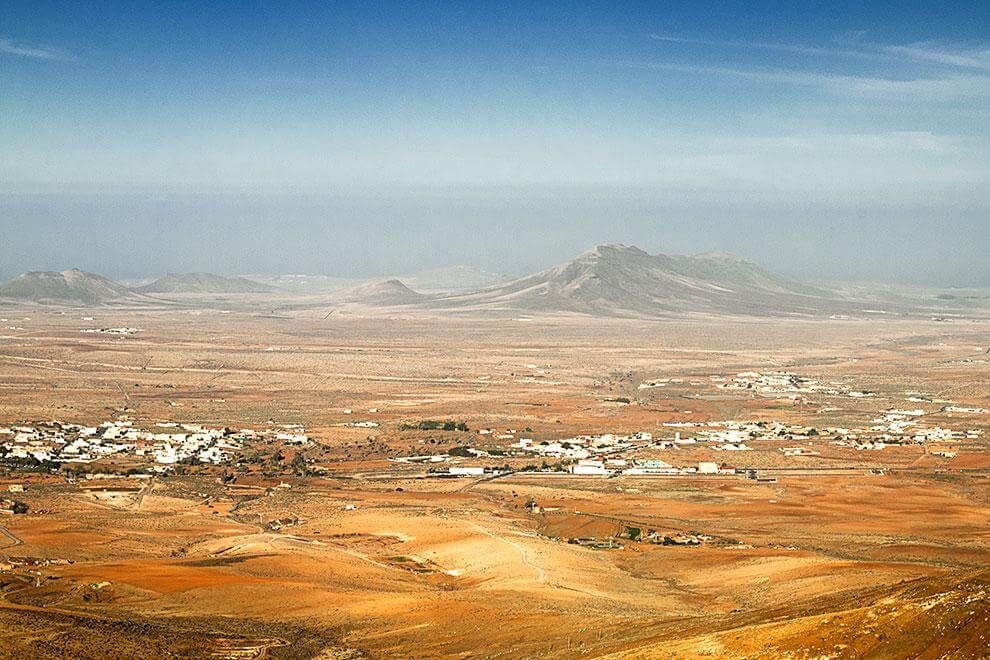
<point>334,548</point>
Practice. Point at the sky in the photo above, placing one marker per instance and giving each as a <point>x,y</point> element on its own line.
<point>839,140</point>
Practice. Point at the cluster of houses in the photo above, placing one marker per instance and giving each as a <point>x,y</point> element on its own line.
<point>903,427</point>
<point>894,426</point>
<point>611,454</point>
<point>170,444</point>
<point>783,384</point>
<point>583,446</point>
<point>659,382</point>
<point>610,467</point>
<point>121,332</point>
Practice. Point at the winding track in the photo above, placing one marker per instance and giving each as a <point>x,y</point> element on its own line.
<point>13,540</point>
<point>540,574</point>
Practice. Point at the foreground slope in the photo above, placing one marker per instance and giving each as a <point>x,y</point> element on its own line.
<point>933,617</point>
<point>72,286</point>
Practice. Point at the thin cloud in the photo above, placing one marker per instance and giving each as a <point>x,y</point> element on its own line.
<point>928,88</point>
<point>920,52</point>
<point>763,45</point>
<point>886,142</point>
<point>971,59</point>
<point>11,47</point>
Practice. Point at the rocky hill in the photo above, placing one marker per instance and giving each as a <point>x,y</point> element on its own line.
<point>204,283</point>
<point>72,286</point>
<point>380,294</point>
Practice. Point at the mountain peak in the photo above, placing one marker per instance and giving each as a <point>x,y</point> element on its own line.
<point>624,280</point>
<point>383,293</point>
<point>616,249</point>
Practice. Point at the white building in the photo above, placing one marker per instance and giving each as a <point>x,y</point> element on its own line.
<point>589,467</point>
<point>467,471</point>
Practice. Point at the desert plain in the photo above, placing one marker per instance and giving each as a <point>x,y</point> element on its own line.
<point>400,495</point>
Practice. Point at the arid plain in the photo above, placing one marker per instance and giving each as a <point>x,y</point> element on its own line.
<point>346,529</point>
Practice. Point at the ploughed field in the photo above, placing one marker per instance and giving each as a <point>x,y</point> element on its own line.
<point>806,543</point>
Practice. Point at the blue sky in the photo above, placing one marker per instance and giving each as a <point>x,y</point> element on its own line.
<point>801,137</point>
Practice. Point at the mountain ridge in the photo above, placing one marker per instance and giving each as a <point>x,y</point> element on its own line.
<point>623,280</point>
<point>67,286</point>
<point>607,281</point>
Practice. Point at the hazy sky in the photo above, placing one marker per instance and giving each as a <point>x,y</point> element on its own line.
<point>850,140</point>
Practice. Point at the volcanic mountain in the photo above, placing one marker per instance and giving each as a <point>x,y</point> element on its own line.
<point>72,286</point>
<point>380,294</point>
<point>204,283</point>
<point>619,280</point>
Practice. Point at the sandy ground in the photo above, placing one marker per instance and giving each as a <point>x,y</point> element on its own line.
<point>810,565</point>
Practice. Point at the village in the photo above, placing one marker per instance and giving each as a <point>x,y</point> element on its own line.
<point>784,383</point>
<point>639,454</point>
<point>671,448</point>
<point>160,450</point>
<point>614,455</point>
